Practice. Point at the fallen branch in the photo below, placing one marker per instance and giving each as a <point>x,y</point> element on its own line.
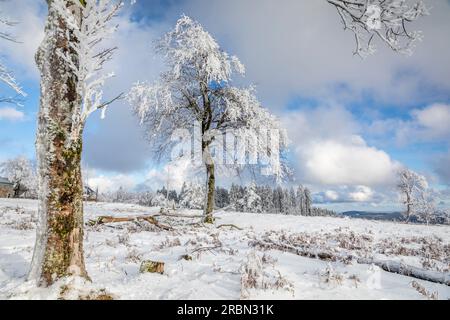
<point>229,225</point>
<point>322,255</point>
<point>410,271</point>
<point>386,265</point>
<point>206,249</point>
<point>171,215</point>
<point>109,219</point>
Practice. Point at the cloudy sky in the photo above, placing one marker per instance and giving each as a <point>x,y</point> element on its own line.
<point>352,122</point>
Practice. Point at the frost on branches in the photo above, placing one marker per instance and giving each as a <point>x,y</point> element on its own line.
<point>6,76</point>
<point>196,89</point>
<point>85,57</point>
<point>252,200</point>
<point>386,20</point>
<point>20,172</point>
<point>70,61</point>
<point>192,196</point>
<point>419,199</point>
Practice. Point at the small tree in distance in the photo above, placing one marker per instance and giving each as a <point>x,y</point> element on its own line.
<point>411,187</point>
<point>21,173</point>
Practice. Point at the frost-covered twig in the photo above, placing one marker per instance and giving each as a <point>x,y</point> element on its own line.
<point>6,76</point>
<point>86,57</point>
<point>386,20</point>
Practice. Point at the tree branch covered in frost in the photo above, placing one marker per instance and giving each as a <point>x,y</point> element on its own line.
<point>419,199</point>
<point>197,89</point>
<point>6,75</point>
<point>86,58</point>
<point>386,20</point>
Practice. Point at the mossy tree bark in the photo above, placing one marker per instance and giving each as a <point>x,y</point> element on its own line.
<point>59,244</point>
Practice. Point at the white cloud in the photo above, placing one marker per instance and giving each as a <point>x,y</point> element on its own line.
<point>329,150</point>
<point>362,194</point>
<point>173,175</point>
<point>429,124</point>
<point>434,120</point>
<point>11,114</point>
<point>354,194</point>
<point>111,183</point>
<point>352,162</point>
<point>29,32</point>
<point>331,195</point>
<point>441,166</point>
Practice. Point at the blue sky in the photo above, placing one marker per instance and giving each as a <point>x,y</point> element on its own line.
<point>372,115</point>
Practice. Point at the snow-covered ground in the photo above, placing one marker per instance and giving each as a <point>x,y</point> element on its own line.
<point>228,263</point>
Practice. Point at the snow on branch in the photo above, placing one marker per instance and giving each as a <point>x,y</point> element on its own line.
<point>192,51</point>
<point>384,19</point>
<point>86,57</point>
<point>197,89</point>
<point>6,76</point>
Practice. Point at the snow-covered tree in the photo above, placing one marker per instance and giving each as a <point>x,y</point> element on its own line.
<point>6,76</point>
<point>21,173</point>
<point>252,200</point>
<point>70,61</point>
<point>222,198</point>
<point>410,186</point>
<point>197,88</point>
<point>294,208</point>
<point>192,196</point>
<point>236,197</point>
<point>386,20</point>
<point>426,206</point>
<point>308,202</point>
<point>266,195</point>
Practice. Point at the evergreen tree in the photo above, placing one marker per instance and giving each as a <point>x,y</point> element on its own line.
<point>252,201</point>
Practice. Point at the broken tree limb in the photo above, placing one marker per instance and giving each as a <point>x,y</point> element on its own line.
<point>386,265</point>
<point>229,225</point>
<point>171,215</point>
<point>322,255</point>
<point>206,249</point>
<point>110,219</point>
<point>410,271</point>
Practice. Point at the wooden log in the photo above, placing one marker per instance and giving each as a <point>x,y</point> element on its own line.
<point>410,271</point>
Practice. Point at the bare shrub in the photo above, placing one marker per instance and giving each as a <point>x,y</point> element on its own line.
<point>255,274</point>
<point>330,276</point>
<point>169,243</point>
<point>133,256</point>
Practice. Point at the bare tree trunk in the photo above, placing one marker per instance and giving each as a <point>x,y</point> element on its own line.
<point>210,185</point>
<point>59,243</point>
<point>408,207</point>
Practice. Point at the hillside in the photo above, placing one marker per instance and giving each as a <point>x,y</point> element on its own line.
<point>257,262</point>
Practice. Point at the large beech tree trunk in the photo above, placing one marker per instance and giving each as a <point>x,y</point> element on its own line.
<point>59,244</point>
